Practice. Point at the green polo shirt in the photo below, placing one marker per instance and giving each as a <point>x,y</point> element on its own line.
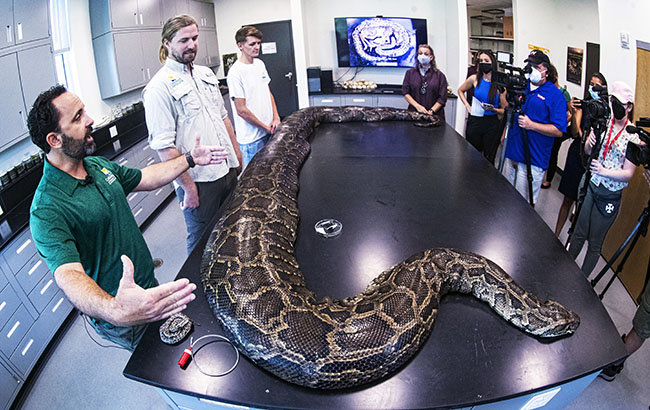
<point>91,223</point>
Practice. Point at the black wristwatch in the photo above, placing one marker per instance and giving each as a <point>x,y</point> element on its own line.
<point>190,160</point>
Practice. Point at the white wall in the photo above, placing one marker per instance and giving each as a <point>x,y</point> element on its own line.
<point>556,25</point>
<point>630,16</point>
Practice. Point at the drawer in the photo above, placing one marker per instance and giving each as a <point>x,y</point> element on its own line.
<point>151,159</point>
<point>9,303</point>
<point>19,251</point>
<point>30,348</point>
<point>10,384</point>
<point>325,101</point>
<point>43,293</point>
<point>362,100</point>
<point>141,212</point>
<point>126,159</point>
<point>134,198</point>
<point>145,152</point>
<point>14,330</point>
<point>32,273</point>
<point>3,279</point>
<point>158,196</point>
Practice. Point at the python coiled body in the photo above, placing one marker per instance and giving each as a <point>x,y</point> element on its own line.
<point>257,292</point>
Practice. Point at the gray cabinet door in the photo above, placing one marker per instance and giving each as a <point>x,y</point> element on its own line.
<point>7,37</point>
<point>12,121</point>
<point>129,60</point>
<point>8,386</point>
<point>30,17</point>
<point>171,8</point>
<point>37,72</point>
<point>124,13</point>
<point>209,47</point>
<point>150,46</point>
<point>203,13</point>
<point>149,13</point>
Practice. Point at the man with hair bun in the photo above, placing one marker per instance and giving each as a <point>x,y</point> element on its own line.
<point>248,84</point>
<point>182,101</point>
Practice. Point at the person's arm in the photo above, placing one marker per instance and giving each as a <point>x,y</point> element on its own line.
<point>467,85</point>
<point>248,116</point>
<point>621,175</point>
<point>439,104</point>
<point>132,305</point>
<point>174,166</point>
<point>276,117</point>
<point>233,140</point>
<point>549,130</point>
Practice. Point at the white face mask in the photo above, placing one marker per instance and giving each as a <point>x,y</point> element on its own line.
<point>535,76</point>
<point>424,59</point>
<point>593,93</point>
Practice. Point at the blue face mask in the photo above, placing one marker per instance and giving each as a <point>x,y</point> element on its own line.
<point>593,93</point>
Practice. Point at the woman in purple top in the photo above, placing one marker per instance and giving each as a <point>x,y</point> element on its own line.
<point>424,86</point>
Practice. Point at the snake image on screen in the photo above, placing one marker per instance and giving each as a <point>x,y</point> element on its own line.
<point>255,287</point>
<point>382,42</point>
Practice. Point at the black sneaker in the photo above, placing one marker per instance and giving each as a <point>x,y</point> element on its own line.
<point>609,373</point>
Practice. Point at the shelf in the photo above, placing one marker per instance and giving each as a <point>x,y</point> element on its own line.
<point>491,38</point>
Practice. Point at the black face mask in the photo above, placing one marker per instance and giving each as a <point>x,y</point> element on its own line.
<point>485,67</point>
<point>618,109</point>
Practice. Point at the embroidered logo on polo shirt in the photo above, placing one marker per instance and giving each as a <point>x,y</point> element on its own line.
<point>110,178</point>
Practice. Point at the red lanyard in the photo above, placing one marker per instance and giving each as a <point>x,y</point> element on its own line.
<point>609,144</point>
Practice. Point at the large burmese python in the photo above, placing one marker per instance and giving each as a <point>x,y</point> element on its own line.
<point>255,287</point>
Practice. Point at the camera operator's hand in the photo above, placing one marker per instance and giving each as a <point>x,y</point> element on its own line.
<point>576,103</point>
<point>525,122</point>
<point>596,167</point>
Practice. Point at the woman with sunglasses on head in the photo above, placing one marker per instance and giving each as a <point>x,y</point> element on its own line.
<point>610,171</point>
<point>424,86</point>
<point>483,123</point>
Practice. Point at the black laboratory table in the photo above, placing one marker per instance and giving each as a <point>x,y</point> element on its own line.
<point>398,189</point>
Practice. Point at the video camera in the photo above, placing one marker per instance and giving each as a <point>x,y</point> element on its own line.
<point>512,79</point>
<point>639,154</point>
<point>595,112</point>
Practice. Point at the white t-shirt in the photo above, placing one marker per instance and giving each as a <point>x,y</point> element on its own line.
<point>250,81</point>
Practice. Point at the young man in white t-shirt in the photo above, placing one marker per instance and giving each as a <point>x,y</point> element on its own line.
<point>248,83</point>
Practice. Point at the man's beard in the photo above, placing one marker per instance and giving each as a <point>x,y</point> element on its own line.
<point>77,149</point>
<point>183,58</point>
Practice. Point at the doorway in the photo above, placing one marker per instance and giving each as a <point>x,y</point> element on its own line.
<point>278,56</point>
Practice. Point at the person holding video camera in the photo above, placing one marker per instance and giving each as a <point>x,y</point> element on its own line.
<point>483,123</point>
<point>425,86</point>
<point>610,172</point>
<point>573,167</point>
<point>543,116</point>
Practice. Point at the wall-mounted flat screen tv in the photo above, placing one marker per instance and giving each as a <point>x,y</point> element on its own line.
<point>378,41</point>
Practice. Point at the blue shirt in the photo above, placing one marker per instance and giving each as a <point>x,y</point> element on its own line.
<point>481,93</point>
<point>545,105</point>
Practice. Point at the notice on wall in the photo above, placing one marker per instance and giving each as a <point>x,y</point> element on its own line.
<point>574,65</point>
<point>269,48</point>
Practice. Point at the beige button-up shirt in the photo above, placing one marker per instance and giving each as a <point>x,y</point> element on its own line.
<point>179,105</point>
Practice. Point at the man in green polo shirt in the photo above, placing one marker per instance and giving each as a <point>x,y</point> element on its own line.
<point>84,229</point>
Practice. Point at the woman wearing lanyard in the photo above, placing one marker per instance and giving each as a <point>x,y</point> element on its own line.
<point>483,124</point>
<point>424,86</point>
<point>610,172</point>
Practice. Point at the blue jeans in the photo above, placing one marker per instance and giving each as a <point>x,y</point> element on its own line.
<point>248,151</point>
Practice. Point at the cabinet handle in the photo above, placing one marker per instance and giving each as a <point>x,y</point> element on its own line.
<point>13,329</point>
<point>358,100</point>
<point>23,246</point>
<point>133,195</point>
<point>144,76</point>
<point>19,29</point>
<point>135,16</point>
<point>148,74</point>
<point>151,161</point>
<point>137,213</point>
<point>9,34</point>
<point>45,287</point>
<point>57,305</point>
<point>2,305</point>
<point>36,265</point>
<point>141,20</point>
<point>24,352</point>
<point>327,100</point>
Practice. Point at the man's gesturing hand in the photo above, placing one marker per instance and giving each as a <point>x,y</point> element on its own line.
<point>208,154</point>
<point>134,305</point>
